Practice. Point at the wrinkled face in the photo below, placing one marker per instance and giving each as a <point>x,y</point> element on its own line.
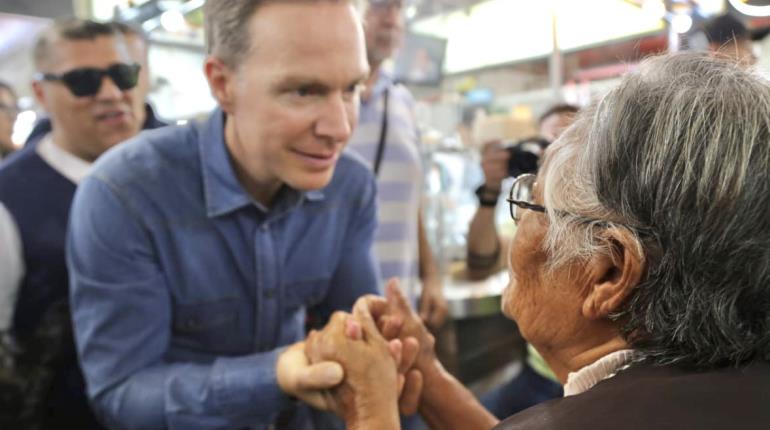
<point>7,117</point>
<point>554,125</point>
<point>89,125</point>
<point>295,97</point>
<point>545,305</point>
<point>384,26</point>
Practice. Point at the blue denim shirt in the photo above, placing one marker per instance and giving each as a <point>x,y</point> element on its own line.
<point>183,289</point>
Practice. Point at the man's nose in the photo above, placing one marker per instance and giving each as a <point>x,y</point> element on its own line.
<point>335,121</point>
<point>108,90</point>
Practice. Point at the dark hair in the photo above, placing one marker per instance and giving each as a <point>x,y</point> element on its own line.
<point>558,109</point>
<point>724,29</point>
<point>69,29</point>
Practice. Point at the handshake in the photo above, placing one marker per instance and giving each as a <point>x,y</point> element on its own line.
<point>367,366</point>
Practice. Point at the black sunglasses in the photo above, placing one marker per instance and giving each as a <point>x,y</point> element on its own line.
<point>87,80</point>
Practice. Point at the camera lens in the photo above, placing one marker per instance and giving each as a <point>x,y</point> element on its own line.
<point>525,155</point>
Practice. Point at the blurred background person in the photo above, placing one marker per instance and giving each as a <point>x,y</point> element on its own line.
<point>86,82</point>
<point>552,123</point>
<point>8,112</point>
<point>388,138</point>
<point>728,37</point>
<point>484,244</point>
<point>137,44</point>
<point>639,269</point>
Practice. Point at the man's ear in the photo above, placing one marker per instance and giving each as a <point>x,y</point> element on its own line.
<point>221,82</point>
<point>39,93</point>
<point>613,277</point>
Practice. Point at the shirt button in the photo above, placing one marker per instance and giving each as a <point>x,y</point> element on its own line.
<point>265,227</point>
<point>269,293</point>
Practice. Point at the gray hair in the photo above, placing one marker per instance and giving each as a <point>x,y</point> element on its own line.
<point>678,154</point>
<point>69,28</point>
<point>226,24</point>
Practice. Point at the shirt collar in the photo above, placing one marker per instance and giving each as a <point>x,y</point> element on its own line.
<point>68,165</point>
<point>603,368</point>
<point>223,192</point>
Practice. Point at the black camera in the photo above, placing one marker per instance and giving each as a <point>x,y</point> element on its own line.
<point>525,155</point>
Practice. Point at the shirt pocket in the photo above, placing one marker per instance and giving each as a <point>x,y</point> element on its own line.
<point>305,293</point>
<point>212,327</point>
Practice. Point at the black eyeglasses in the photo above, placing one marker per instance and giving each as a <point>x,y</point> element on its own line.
<point>86,81</point>
<point>522,196</point>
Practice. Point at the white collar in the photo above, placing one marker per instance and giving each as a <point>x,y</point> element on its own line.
<point>601,369</point>
<point>67,164</point>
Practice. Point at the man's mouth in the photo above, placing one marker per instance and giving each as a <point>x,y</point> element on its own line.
<point>112,117</point>
<point>317,160</point>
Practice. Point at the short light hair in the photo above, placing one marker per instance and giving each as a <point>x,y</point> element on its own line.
<point>128,29</point>
<point>226,23</point>
<point>69,28</point>
<point>679,155</point>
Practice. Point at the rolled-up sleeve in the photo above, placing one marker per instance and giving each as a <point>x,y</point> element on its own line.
<point>121,309</point>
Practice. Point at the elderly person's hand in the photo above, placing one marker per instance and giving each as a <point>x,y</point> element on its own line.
<point>433,305</point>
<point>368,394</point>
<point>397,320</point>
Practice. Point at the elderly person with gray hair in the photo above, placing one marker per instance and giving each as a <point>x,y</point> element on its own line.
<point>640,268</point>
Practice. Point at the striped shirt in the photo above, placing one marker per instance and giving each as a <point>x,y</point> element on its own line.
<point>399,180</point>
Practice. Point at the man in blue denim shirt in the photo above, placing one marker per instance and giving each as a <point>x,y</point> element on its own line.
<point>194,251</point>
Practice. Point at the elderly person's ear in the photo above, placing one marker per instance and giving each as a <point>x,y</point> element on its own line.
<point>613,275</point>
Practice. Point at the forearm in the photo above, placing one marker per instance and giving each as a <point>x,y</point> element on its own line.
<point>484,245</point>
<point>382,417</point>
<point>428,266</point>
<point>482,233</point>
<point>447,404</point>
<point>231,392</point>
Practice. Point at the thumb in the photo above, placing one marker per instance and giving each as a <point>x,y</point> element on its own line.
<point>319,376</point>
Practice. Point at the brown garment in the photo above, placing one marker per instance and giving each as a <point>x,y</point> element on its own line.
<point>647,397</point>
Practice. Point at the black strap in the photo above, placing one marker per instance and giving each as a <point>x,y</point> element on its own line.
<point>383,133</point>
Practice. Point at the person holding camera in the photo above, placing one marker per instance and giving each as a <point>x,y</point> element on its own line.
<point>535,383</point>
<point>498,162</point>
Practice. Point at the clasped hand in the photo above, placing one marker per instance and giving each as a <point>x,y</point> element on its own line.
<point>365,366</point>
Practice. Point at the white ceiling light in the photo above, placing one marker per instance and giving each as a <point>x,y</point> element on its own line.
<point>750,9</point>
<point>173,21</point>
<point>681,23</point>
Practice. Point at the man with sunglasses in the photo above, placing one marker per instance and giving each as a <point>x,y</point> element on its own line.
<point>138,44</point>
<point>85,80</point>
